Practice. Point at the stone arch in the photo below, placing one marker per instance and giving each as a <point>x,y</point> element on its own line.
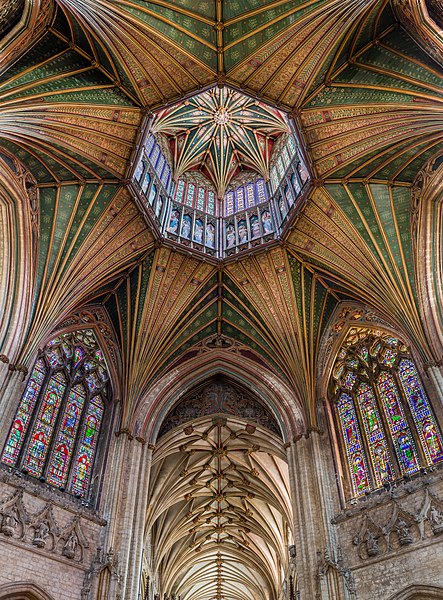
<point>347,319</point>
<point>419,592</point>
<point>270,387</point>
<point>23,591</point>
<point>345,316</point>
<point>427,210</point>
<point>18,251</point>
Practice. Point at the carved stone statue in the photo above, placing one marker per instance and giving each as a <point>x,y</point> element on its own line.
<point>41,534</point>
<point>403,532</point>
<point>70,546</point>
<point>436,520</point>
<point>9,524</point>
<point>372,547</point>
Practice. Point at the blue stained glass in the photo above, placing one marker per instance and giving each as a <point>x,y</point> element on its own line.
<point>23,415</point>
<point>84,460</point>
<point>146,182</point>
<point>427,429</point>
<point>353,445</point>
<point>250,195</point>
<point>44,426</point>
<point>139,170</point>
<point>377,443</point>
<point>154,154</point>
<point>261,190</point>
<point>61,455</point>
<point>229,203</point>
<point>401,435</point>
<point>240,199</point>
<point>349,379</point>
<point>149,143</point>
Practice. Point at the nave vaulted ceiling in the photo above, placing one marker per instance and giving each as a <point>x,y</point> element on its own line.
<point>362,81</point>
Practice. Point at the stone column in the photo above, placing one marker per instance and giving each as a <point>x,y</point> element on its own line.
<point>125,508</point>
<point>315,501</point>
<point>436,376</point>
<point>138,529</point>
<point>10,395</point>
<point>4,365</point>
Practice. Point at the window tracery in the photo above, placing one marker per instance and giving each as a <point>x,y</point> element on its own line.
<point>55,430</point>
<point>388,429</point>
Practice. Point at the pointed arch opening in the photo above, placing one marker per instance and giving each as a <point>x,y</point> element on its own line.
<point>55,433</point>
<point>384,421</point>
<point>219,519</point>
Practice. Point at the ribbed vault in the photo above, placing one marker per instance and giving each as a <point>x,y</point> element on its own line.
<point>219,511</point>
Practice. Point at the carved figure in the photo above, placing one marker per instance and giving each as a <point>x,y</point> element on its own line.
<point>403,532</point>
<point>372,547</point>
<point>436,520</point>
<point>70,546</point>
<point>41,534</point>
<point>9,524</point>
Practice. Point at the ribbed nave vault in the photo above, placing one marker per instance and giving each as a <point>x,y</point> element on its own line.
<point>219,512</point>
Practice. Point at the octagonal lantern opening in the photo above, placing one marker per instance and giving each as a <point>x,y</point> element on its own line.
<point>220,172</point>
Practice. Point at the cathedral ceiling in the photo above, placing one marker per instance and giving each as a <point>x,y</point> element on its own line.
<point>368,102</point>
<point>223,528</point>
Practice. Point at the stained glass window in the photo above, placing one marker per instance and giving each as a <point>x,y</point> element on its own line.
<point>250,195</point>
<point>211,202</point>
<point>190,194</point>
<point>353,445</point>
<point>64,401</point>
<point>180,191</point>
<point>261,190</point>
<point>201,198</point>
<point>376,387</point>
<point>240,199</point>
<point>421,411</point>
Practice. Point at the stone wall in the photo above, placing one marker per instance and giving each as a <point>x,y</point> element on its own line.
<point>393,540</point>
<point>46,538</point>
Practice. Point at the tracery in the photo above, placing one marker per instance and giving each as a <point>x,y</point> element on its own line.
<point>55,430</point>
<point>388,429</point>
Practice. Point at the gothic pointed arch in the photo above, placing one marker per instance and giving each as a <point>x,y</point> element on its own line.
<point>19,209</point>
<point>219,509</point>
<point>208,360</point>
<point>58,433</point>
<point>427,223</point>
<point>23,591</point>
<point>384,425</point>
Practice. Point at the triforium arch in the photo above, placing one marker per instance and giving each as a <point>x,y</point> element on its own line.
<point>219,518</point>
<point>381,416</point>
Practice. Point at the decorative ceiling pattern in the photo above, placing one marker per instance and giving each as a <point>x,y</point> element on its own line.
<point>10,13</point>
<point>223,527</point>
<point>363,85</point>
<point>221,133</point>
<point>358,236</point>
<point>89,234</point>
